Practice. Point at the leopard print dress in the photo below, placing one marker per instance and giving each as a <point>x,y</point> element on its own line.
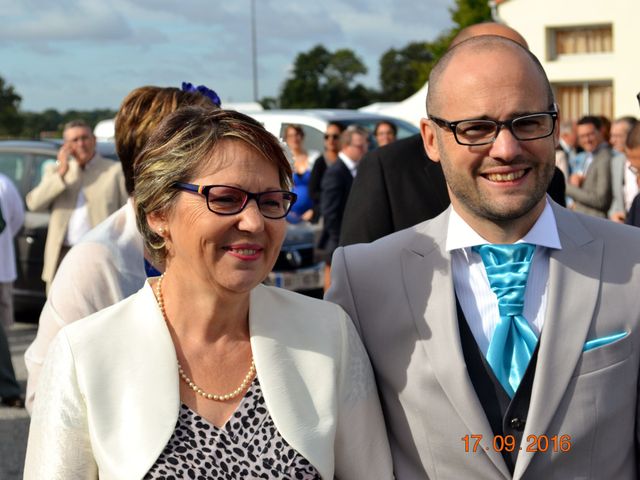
<point>247,447</point>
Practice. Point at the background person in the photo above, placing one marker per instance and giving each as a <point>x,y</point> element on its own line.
<point>302,160</point>
<point>80,191</point>
<point>632,152</point>
<point>329,156</point>
<point>336,185</point>
<point>589,185</point>
<point>385,132</point>
<point>507,318</point>
<point>11,220</point>
<point>623,182</point>
<point>108,264</point>
<point>276,381</point>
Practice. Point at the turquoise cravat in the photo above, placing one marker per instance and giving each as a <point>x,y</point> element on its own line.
<point>513,340</point>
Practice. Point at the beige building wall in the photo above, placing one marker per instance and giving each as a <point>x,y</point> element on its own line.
<point>536,20</point>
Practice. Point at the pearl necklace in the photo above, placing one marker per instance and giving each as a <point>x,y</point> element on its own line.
<point>210,396</point>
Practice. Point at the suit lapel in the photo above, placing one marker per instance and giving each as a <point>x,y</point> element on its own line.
<point>574,281</point>
<point>429,286</point>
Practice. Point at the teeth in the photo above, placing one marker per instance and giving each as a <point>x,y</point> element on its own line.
<point>505,177</point>
<point>244,251</point>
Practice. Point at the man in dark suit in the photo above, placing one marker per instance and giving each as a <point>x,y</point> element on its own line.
<point>336,184</point>
<point>398,186</point>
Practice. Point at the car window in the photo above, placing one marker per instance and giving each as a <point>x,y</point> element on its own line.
<point>313,138</point>
<point>14,165</point>
<point>41,162</point>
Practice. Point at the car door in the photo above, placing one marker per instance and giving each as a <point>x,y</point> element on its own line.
<point>25,169</point>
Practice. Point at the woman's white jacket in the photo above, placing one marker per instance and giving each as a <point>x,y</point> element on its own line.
<point>108,399</point>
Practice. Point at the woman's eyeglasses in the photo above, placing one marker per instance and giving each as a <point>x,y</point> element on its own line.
<point>227,200</point>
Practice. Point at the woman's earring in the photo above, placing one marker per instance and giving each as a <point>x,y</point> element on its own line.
<point>161,231</point>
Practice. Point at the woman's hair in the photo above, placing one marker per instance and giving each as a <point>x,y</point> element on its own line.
<point>294,126</point>
<point>139,115</point>
<point>391,125</point>
<point>179,149</point>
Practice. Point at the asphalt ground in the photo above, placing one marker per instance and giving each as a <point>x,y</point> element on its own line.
<point>14,423</point>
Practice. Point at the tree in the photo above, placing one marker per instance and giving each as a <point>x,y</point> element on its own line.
<point>321,78</point>
<point>469,12</point>
<point>10,119</point>
<point>404,71</point>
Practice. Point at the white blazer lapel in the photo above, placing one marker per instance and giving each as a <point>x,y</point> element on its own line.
<point>574,281</point>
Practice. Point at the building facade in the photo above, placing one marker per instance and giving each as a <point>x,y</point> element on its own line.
<point>588,49</point>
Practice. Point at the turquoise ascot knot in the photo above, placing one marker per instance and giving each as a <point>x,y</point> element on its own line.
<point>513,340</point>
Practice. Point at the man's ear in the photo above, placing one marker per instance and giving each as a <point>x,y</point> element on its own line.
<point>427,129</point>
<point>556,132</point>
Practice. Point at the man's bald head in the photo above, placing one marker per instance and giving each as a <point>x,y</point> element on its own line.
<point>467,49</point>
<point>488,28</point>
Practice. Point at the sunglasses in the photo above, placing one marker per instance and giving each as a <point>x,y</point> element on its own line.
<point>332,136</point>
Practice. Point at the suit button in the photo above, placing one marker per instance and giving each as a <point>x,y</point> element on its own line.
<point>516,424</point>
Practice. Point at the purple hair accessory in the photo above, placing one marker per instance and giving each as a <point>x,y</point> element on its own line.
<point>206,91</point>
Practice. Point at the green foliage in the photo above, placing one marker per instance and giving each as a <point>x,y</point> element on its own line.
<point>51,122</point>
<point>404,71</point>
<point>10,119</point>
<point>321,78</point>
<point>469,12</point>
<point>269,103</point>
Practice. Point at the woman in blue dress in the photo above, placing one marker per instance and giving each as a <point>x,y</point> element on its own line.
<point>302,161</point>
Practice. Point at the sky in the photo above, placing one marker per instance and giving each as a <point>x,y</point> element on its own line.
<point>87,54</point>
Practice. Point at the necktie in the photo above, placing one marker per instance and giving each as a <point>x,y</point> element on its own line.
<point>513,340</point>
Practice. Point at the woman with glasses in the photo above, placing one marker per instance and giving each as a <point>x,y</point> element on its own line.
<point>204,372</point>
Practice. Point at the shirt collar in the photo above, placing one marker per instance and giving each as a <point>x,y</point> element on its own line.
<point>544,232</point>
<point>351,165</point>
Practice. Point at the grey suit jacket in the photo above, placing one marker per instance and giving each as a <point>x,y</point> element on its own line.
<point>399,292</point>
<point>594,196</point>
<point>102,182</point>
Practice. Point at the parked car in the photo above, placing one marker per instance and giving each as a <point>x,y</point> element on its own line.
<point>24,160</point>
<point>314,123</point>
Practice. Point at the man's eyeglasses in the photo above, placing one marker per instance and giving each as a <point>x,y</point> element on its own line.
<point>226,200</point>
<point>482,132</point>
<point>332,136</point>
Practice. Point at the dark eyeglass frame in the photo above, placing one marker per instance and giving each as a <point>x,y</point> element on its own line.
<point>205,189</point>
<point>452,126</point>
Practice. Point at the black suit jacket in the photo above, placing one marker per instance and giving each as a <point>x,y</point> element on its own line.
<point>397,186</point>
<point>336,184</point>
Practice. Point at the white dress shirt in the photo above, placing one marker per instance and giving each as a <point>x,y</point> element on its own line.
<point>13,214</point>
<point>630,186</point>
<point>477,300</point>
<point>351,165</point>
<point>79,222</point>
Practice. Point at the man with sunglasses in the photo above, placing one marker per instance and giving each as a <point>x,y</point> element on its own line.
<point>503,333</point>
<point>324,161</point>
